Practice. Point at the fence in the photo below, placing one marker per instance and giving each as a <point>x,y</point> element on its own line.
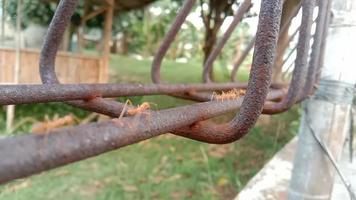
<point>72,68</point>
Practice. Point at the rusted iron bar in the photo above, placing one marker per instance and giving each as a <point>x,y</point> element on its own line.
<point>166,43</point>
<point>291,38</point>
<point>289,55</point>
<point>26,155</point>
<point>169,38</point>
<point>48,54</point>
<point>316,48</point>
<point>250,45</point>
<point>285,74</point>
<point>242,58</point>
<point>23,94</point>
<point>119,107</point>
<point>208,65</point>
<point>157,62</point>
<point>260,79</point>
<point>74,144</point>
<point>301,63</point>
<point>323,43</point>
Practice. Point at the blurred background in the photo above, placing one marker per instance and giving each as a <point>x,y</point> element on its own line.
<point>166,167</point>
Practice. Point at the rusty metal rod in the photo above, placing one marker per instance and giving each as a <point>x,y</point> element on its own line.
<point>168,39</point>
<point>208,65</point>
<point>166,43</point>
<point>23,94</point>
<point>301,63</point>
<point>316,48</point>
<point>48,54</point>
<point>323,43</point>
<point>22,156</point>
<point>26,155</point>
<point>260,76</point>
<point>260,79</point>
<point>250,45</point>
<point>289,55</point>
<point>242,58</point>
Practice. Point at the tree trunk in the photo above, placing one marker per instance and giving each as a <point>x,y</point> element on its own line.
<point>113,48</point>
<point>213,19</point>
<point>124,43</point>
<point>210,39</point>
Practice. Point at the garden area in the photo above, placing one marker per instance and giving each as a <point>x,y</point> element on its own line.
<point>125,37</point>
<point>165,167</point>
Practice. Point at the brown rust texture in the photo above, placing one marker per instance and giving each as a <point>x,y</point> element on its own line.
<point>22,156</point>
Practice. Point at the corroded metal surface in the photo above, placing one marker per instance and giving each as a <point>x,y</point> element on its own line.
<point>301,63</point>
<point>208,66</point>
<point>26,155</point>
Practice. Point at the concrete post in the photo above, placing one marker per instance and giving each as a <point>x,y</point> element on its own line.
<point>327,112</point>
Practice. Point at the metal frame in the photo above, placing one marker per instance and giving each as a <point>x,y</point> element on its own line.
<point>30,154</point>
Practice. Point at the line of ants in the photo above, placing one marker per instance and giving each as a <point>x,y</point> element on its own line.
<point>146,106</point>
<point>229,95</point>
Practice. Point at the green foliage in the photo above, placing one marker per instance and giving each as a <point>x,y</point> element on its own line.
<point>37,12</point>
<point>41,13</point>
<point>145,30</point>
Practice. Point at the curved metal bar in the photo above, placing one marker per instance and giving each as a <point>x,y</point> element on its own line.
<point>242,58</point>
<point>301,63</point>
<point>29,154</point>
<point>168,39</point>
<point>260,79</point>
<point>157,62</point>
<point>323,43</point>
<point>114,109</point>
<point>23,94</point>
<point>166,43</point>
<point>250,45</point>
<point>26,155</point>
<point>208,65</point>
<point>289,55</point>
<point>316,49</point>
<point>49,50</point>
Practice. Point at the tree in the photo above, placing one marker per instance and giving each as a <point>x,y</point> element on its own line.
<point>213,18</point>
<point>41,12</point>
<point>214,13</point>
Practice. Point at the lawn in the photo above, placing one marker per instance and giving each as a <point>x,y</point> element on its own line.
<point>167,167</point>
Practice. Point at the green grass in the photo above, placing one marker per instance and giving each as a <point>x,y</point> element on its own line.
<point>131,70</point>
<point>167,167</point>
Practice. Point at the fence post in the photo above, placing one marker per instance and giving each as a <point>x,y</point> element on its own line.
<point>327,112</point>
<point>107,38</point>
<point>10,110</point>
